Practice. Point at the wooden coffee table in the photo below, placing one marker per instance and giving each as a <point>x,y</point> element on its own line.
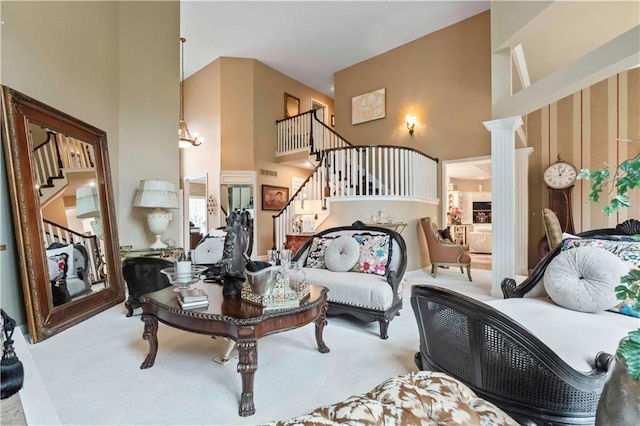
<point>234,318</point>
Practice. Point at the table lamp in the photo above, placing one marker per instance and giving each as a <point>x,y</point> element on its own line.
<point>88,206</point>
<point>309,210</point>
<point>158,195</point>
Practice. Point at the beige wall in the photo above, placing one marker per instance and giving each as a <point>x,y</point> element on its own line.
<point>269,88</point>
<point>444,79</point>
<point>148,110</point>
<point>583,128</point>
<point>234,103</point>
<point>113,65</point>
<point>202,114</point>
<point>346,212</point>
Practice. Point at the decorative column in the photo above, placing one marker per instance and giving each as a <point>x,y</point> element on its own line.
<point>522,210</point>
<point>503,188</point>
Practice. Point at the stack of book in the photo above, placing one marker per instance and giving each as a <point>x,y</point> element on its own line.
<point>193,298</point>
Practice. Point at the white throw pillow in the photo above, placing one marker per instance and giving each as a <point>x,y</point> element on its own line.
<point>342,253</point>
<point>584,278</point>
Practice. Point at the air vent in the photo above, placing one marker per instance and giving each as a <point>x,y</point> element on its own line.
<point>265,172</point>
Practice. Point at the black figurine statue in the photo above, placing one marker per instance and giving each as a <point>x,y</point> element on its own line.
<point>233,254</point>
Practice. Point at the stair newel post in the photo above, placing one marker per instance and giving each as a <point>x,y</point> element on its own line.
<point>58,156</point>
<point>327,188</point>
<point>273,232</point>
<point>311,141</point>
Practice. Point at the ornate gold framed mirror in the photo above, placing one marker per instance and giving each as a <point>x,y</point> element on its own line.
<point>64,216</point>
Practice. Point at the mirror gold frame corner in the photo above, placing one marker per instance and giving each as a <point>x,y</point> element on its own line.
<point>44,318</point>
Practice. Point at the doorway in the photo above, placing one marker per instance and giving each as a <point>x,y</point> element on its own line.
<point>466,191</point>
<point>322,110</point>
<point>194,200</point>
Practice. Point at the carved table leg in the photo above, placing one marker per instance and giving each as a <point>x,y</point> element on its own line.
<point>150,334</point>
<point>247,365</point>
<point>321,321</point>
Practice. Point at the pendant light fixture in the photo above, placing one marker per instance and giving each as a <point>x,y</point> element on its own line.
<point>185,139</point>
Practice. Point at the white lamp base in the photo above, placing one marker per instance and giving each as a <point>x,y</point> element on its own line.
<point>158,222</point>
<point>158,244</point>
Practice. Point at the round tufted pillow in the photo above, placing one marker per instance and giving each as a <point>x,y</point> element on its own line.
<point>584,278</point>
<point>342,254</point>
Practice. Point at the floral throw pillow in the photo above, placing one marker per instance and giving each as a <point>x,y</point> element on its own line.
<point>375,251</point>
<point>315,258</point>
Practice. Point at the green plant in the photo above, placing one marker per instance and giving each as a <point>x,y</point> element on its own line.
<point>626,176</point>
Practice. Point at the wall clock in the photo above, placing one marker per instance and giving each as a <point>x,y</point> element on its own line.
<point>559,177</point>
<point>560,174</point>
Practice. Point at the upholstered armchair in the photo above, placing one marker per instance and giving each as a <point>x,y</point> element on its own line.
<point>442,252</point>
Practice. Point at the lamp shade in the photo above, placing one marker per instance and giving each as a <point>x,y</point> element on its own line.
<point>156,194</point>
<point>87,202</point>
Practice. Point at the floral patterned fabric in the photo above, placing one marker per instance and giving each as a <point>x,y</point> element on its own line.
<point>315,258</point>
<point>375,251</point>
<point>629,251</point>
<point>420,398</point>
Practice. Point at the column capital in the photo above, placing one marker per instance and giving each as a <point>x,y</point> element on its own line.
<point>524,151</point>
<point>507,124</point>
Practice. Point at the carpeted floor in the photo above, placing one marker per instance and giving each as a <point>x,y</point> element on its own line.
<point>11,412</point>
<point>91,372</point>
<point>480,261</point>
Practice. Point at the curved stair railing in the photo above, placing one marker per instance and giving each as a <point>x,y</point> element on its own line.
<point>57,155</point>
<point>350,172</point>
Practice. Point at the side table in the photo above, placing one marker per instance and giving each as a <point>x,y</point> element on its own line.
<point>295,241</point>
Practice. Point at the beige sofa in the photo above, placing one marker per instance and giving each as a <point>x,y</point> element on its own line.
<point>368,288</point>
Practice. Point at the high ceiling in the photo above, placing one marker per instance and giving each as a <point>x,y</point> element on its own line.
<point>310,40</point>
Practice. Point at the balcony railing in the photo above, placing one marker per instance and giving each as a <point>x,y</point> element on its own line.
<point>352,172</point>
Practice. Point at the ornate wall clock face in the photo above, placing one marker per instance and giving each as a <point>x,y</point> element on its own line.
<point>560,175</point>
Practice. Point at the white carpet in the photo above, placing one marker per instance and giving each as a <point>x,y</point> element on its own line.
<point>92,370</point>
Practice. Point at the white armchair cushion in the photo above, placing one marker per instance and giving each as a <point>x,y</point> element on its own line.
<point>65,252</point>
<point>584,279</point>
<point>209,251</point>
<point>341,254</point>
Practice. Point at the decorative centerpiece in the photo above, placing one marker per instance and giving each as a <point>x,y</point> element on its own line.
<point>275,287</point>
<point>183,283</point>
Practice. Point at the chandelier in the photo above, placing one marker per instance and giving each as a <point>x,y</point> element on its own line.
<point>185,139</point>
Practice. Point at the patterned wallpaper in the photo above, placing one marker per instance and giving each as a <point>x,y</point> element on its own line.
<point>583,128</point>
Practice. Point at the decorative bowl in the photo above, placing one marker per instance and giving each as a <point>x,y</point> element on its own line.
<point>196,272</point>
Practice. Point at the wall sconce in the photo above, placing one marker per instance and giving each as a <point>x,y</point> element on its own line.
<point>411,123</point>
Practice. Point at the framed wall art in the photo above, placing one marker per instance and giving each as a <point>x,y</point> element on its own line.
<point>274,197</point>
<point>291,105</point>
<point>369,106</point>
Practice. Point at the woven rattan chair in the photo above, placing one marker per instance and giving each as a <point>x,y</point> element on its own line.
<point>501,360</point>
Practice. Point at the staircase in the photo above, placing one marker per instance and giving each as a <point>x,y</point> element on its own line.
<point>348,172</point>
<point>56,157</point>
